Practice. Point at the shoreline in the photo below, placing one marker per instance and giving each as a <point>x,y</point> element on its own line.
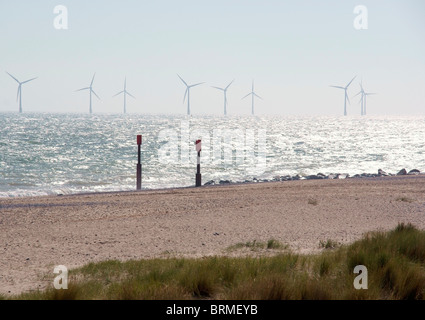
<point>38,233</point>
<point>319,176</point>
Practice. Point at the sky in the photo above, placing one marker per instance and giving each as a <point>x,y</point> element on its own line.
<point>293,50</point>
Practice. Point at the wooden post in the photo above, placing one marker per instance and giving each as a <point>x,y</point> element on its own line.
<point>198,171</point>
<point>139,165</point>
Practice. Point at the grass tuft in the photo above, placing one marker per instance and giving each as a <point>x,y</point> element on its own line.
<point>328,244</point>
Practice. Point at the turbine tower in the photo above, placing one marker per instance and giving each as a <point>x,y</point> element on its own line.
<point>225,96</point>
<point>187,93</point>
<point>125,92</point>
<point>252,94</point>
<point>346,95</point>
<point>19,94</point>
<point>91,91</point>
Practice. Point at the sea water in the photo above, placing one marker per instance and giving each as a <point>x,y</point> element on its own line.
<point>45,154</point>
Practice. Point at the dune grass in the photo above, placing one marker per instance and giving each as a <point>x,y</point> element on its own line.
<point>395,261</point>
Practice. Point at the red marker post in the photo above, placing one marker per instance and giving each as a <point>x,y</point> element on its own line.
<point>198,173</point>
<point>139,165</point>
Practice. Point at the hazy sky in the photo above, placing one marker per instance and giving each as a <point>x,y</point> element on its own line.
<point>293,49</point>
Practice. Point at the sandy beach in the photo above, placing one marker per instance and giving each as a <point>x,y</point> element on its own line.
<point>39,233</point>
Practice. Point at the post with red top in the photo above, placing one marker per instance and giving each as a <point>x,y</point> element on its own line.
<point>198,173</point>
<point>139,164</point>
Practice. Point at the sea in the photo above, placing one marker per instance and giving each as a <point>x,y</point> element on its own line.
<point>58,154</point>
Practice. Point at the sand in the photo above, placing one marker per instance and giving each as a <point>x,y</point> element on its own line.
<point>39,233</point>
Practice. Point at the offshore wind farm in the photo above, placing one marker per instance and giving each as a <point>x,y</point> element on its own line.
<point>253,95</point>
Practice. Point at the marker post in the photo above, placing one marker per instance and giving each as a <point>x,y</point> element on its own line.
<point>139,165</point>
<point>198,173</point>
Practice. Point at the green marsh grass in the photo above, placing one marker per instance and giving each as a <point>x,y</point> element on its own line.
<point>395,261</point>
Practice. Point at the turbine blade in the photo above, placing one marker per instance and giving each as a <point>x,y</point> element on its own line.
<point>218,88</point>
<point>130,94</point>
<point>229,84</point>
<point>339,87</point>
<point>194,85</point>
<point>95,94</point>
<point>350,82</point>
<point>91,84</point>
<point>247,95</point>
<point>13,77</point>
<point>185,94</point>
<point>118,93</point>
<point>82,89</point>
<point>19,90</point>
<point>357,94</point>
<point>258,96</point>
<point>29,80</point>
<point>183,80</point>
<point>348,99</point>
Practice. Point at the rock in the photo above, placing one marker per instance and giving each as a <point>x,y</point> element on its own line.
<point>382,172</point>
<point>314,177</point>
<point>224,181</point>
<point>285,178</point>
<point>211,182</point>
<point>414,172</point>
<point>332,176</point>
<point>402,172</point>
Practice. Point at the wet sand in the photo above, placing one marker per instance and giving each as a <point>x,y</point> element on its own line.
<point>36,234</point>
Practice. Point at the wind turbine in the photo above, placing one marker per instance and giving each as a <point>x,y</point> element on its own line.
<point>125,92</point>
<point>91,91</point>
<point>187,92</point>
<point>225,96</point>
<point>363,98</point>
<point>253,94</point>
<point>346,95</point>
<point>19,94</point>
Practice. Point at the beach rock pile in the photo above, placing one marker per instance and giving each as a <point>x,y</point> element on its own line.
<point>319,176</point>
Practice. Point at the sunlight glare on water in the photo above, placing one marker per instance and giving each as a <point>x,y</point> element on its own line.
<point>43,154</point>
